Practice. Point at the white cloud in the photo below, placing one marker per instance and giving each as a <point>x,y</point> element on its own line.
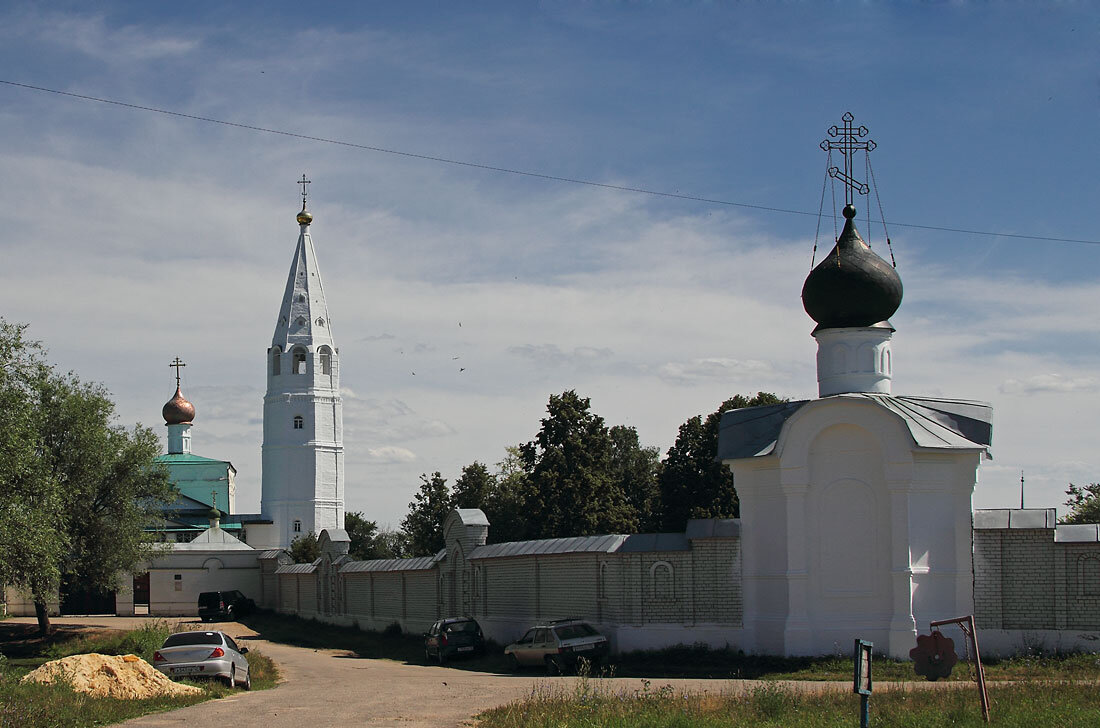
<point>1048,383</point>
<point>391,454</point>
<point>716,369</point>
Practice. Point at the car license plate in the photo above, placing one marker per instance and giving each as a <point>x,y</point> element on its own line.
<point>465,649</point>
<point>186,670</point>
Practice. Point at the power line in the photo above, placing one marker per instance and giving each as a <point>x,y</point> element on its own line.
<point>524,173</point>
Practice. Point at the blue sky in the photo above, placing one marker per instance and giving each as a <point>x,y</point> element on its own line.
<point>136,236</point>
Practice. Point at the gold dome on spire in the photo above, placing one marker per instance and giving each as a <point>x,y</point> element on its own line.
<point>305,217</point>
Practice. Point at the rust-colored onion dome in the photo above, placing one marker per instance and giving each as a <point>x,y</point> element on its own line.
<point>852,286</point>
<point>178,411</point>
<point>304,217</point>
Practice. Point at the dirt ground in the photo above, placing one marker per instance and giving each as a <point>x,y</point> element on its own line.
<point>322,688</point>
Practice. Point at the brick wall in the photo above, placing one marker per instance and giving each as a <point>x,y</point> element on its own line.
<point>1032,574</point>
<point>696,584</point>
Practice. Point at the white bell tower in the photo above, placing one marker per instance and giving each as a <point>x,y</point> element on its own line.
<point>303,446</point>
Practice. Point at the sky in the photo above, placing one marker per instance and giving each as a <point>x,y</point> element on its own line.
<point>134,237</point>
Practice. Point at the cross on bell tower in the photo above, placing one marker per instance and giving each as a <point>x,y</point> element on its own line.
<point>848,139</point>
<point>303,182</point>
<point>177,364</point>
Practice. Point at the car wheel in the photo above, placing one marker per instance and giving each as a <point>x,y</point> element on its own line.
<point>552,666</point>
<point>442,657</point>
<point>513,663</point>
<point>231,681</point>
<point>248,680</point>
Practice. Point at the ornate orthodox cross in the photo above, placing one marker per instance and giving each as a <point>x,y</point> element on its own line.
<point>849,139</point>
<point>303,182</point>
<point>177,364</point>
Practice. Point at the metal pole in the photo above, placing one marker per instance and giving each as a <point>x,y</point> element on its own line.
<point>864,711</point>
<point>981,670</point>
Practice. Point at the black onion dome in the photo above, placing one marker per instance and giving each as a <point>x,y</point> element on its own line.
<point>852,286</point>
<point>178,411</point>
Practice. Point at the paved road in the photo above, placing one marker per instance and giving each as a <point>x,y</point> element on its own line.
<point>322,688</point>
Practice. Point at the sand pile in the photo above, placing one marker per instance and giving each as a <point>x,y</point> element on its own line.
<point>127,677</point>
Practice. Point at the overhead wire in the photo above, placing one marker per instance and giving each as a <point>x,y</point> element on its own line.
<point>520,172</point>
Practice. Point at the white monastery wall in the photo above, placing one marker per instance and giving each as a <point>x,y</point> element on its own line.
<point>1036,583</point>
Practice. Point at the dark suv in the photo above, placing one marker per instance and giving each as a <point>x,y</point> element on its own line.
<point>224,605</point>
<point>452,637</point>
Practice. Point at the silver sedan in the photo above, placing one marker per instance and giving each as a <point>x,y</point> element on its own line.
<point>204,655</point>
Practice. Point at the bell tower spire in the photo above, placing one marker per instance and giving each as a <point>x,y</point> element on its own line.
<point>303,450</point>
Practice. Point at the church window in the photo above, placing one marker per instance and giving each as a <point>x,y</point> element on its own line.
<point>301,298</point>
<point>178,582</point>
<point>299,361</point>
<point>320,321</point>
<point>297,526</point>
<point>298,422</point>
<point>326,360</point>
<point>300,321</point>
<point>276,361</point>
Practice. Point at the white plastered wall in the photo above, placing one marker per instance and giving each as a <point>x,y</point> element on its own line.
<point>850,531</point>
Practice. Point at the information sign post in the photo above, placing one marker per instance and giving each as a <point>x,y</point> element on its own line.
<point>861,684</point>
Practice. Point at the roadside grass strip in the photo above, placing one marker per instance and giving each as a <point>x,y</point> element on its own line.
<point>35,705</point>
<point>589,705</point>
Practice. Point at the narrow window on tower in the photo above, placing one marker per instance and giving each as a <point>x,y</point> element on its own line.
<point>326,360</point>
<point>276,361</point>
<point>299,361</point>
<point>298,422</point>
<point>297,526</point>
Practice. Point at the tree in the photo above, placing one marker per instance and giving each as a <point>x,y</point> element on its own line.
<point>111,486</point>
<point>506,504</point>
<point>568,467</point>
<point>32,539</point>
<point>423,526</point>
<point>474,487</point>
<point>305,549</point>
<point>634,471</point>
<point>100,484</point>
<point>1084,503</point>
<point>693,483</point>
<point>367,540</point>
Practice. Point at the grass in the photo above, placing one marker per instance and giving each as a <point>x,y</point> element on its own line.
<point>33,705</point>
<point>589,706</point>
<point>700,661</point>
<point>681,661</point>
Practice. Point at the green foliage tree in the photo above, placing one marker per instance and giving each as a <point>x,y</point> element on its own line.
<point>506,504</point>
<point>693,483</point>
<point>423,525</point>
<point>101,483</point>
<point>568,467</point>
<point>305,549</point>
<point>634,471</point>
<point>1084,503</point>
<point>475,487</point>
<point>367,540</point>
<point>32,539</point>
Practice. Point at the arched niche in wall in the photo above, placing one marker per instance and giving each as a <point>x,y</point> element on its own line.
<point>661,580</point>
<point>1088,575</point>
